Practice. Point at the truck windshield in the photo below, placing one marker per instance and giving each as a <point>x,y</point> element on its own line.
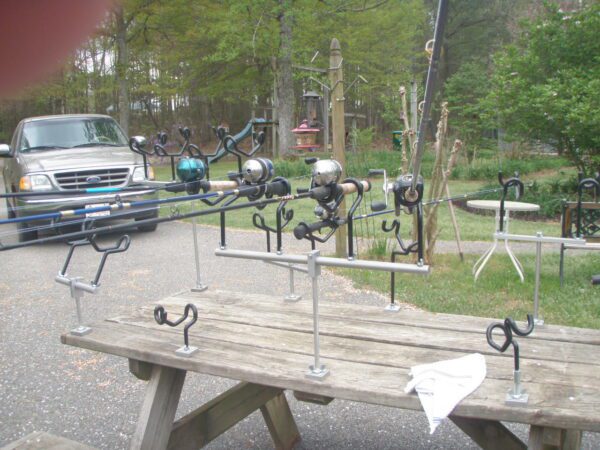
<point>54,134</point>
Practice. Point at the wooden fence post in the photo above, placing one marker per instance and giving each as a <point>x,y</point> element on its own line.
<point>336,78</point>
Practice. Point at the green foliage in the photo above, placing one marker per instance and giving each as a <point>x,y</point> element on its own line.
<point>547,85</point>
<point>465,91</point>
<point>362,138</point>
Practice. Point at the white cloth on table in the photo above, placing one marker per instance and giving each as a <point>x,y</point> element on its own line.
<point>443,384</point>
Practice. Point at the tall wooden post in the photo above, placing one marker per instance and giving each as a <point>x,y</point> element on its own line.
<point>336,78</point>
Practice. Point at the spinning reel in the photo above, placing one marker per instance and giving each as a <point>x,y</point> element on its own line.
<point>329,193</point>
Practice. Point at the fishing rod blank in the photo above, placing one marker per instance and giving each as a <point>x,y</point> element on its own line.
<point>430,87</point>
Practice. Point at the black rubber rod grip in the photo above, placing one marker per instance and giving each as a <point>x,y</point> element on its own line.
<point>302,229</point>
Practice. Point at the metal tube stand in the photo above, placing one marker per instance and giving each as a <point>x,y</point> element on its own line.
<point>517,395</point>
<point>536,293</point>
<point>77,294</point>
<point>199,285</point>
<point>292,296</point>
<point>316,371</point>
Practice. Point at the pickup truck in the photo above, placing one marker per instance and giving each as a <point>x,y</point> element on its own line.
<point>67,152</point>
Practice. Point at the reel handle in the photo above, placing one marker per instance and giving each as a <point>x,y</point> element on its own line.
<point>378,206</point>
<point>303,228</point>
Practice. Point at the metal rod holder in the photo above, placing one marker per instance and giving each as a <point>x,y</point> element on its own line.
<point>160,316</point>
<point>292,296</point>
<point>538,239</point>
<point>516,396</point>
<point>200,286</point>
<point>317,370</point>
<point>76,285</point>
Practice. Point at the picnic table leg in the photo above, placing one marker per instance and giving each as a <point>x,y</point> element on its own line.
<point>281,424</point>
<point>548,438</point>
<point>212,419</point>
<point>159,407</point>
<point>488,434</point>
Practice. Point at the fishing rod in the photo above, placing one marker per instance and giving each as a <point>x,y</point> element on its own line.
<point>436,201</point>
<point>278,191</point>
<point>412,193</point>
<point>251,183</point>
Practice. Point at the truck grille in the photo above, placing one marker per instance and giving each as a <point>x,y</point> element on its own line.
<point>98,178</point>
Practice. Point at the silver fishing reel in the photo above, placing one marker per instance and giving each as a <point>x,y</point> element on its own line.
<point>326,172</point>
<point>258,170</point>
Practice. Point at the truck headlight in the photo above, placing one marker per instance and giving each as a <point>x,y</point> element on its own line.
<point>139,175</point>
<point>35,183</point>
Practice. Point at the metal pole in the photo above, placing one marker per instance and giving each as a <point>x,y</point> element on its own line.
<point>325,118</point>
<point>317,370</point>
<point>413,107</point>
<point>199,285</point>
<point>536,292</point>
<point>292,296</point>
<point>325,261</point>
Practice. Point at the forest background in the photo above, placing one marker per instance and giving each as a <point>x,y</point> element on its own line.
<point>529,69</point>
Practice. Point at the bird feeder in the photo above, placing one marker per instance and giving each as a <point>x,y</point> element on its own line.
<point>312,104</point>
<point>306,136</point>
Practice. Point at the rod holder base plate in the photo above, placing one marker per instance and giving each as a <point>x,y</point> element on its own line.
<point>200,288</point>
<point>538,321</point>
<point>292,298</point>
<point>519,400</point>
<point>317,374</point>
<point>81,330</point>
<point>392,307</point>
<point>186,351</point>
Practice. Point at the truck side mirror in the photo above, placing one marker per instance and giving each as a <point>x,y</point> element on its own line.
<point>5,151</point>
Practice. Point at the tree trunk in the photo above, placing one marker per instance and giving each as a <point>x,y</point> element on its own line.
<point>121,69</point>
<point>285,81</point>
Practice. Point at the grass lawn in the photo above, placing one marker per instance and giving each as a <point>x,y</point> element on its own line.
<point>450,288</point>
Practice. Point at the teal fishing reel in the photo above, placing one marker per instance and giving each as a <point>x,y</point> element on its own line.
<point>191,171</point>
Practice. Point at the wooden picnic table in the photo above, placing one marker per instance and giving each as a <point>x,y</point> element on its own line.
<point>267,345</point>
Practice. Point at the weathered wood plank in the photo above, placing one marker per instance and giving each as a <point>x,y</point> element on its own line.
<point>489,434</point>
<point>435,339</point>
<point>201,426</point>
<point>499,366</point>
<point>40,440</point>
<point>375,313</point>
<point>140,369</point>
<point>159,407</point>
<point>550,405</point>
<point>280,422</point>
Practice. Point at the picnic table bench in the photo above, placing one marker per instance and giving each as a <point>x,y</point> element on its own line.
<point>267,345</point>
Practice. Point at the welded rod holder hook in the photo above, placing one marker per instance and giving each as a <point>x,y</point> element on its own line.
<point>160,316</point>
<point>519,191</point>
<point>120,246</point>
<point>517,395</point>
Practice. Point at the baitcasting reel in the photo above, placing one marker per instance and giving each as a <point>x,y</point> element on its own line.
<point>403,196</point>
